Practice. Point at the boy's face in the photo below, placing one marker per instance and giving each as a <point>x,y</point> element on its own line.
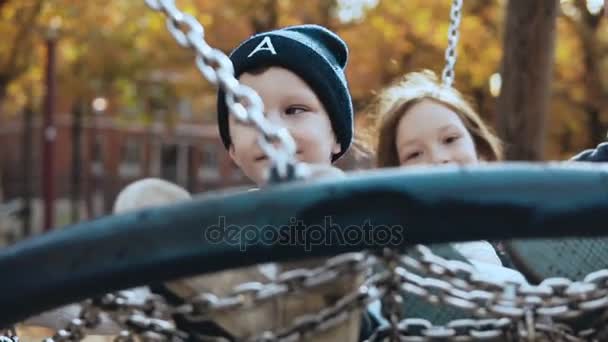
<point>288,102</point>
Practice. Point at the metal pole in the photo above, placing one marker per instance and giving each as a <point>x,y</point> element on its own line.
<point>26,213</point>
<point>93,154</point>
<point>76,159</point>
<point>49,133</point>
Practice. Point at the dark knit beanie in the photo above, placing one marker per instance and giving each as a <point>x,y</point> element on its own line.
<point>312,52</point>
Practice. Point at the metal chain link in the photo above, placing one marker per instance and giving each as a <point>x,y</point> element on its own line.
<point>451,52</point>
<point>242,101</point>
<point>324,320</point>
<point>502,329</point>
<point>89,318</point>
<point>137,319</point>
<point>416,329</point>
<point>458,284</point>
<point>250,295</point>
<point>153,319</point>
<point>392,301</point>
<point>519,312</point>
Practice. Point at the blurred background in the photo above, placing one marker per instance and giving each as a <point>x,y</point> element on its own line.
<point>96,94</point>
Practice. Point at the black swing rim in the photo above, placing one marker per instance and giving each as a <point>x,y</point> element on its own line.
<point>448,204</point>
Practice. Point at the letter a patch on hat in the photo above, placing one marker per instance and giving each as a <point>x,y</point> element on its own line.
<point>265,45</point>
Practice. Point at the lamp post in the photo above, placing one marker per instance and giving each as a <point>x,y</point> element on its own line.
<point>77,112</point>
<point>99,106</point>
<point>49,131</point>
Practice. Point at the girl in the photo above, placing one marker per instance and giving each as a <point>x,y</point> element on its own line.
<point>419,122</point>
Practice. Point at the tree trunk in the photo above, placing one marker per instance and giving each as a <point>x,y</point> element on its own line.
<point>597,132</point>
<point>3,90</point>
<point>526,71</point>
<point>587,28</point>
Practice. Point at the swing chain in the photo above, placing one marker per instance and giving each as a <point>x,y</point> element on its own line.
<point>417,329</point>
<point>89,318</point>
<point>136,319</point>
<point>457,284</point>
<point>243,102</point>
<point>150,319</point>
<point>451,52</point>
<point>392,301</point>
<point>252,295</point>
<point>503,329</point>
<point>324,320</point>
<point>249,295</point>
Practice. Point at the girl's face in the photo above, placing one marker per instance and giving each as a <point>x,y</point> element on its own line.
<point>288,102</point>
<point>431,133</point>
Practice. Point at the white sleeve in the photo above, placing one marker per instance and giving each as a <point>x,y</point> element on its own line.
<point>498,273</point>
<point>483,257</point>
<point>478,251</point>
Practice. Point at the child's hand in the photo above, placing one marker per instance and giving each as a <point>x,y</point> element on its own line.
<point>320,171</point>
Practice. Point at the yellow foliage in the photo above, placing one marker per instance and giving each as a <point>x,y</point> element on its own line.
<point>123,49</point>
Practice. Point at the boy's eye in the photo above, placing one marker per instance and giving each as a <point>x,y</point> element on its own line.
<point>295,110</point>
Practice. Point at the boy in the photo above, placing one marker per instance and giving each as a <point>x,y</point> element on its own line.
<point>299,73</point>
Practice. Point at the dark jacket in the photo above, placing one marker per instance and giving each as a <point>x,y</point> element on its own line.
<point>595,155</point>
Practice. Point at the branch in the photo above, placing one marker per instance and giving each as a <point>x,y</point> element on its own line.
<point>21,40</point>
<point>478,8</point>
<point>265,16</point>
<point>2,3</point>
<point>593,21</point>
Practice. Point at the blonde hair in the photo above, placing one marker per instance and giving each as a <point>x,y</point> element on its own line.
<point>392,103</point>
<point>149,192</point>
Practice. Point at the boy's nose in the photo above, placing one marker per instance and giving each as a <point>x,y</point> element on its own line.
<point>274,117</point>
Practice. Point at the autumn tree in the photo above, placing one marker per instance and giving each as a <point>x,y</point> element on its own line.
<point>129,56</point>
<point>17,20</point>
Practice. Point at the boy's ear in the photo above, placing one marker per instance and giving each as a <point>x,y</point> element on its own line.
<point>232,154</point>
<point>337,148</point>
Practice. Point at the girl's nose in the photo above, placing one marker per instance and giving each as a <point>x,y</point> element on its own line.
<point>440,156</point>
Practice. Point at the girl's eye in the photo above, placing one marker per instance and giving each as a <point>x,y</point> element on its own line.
<point>451,139</point>
<point>295,110</point>
<point>412,155</point>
